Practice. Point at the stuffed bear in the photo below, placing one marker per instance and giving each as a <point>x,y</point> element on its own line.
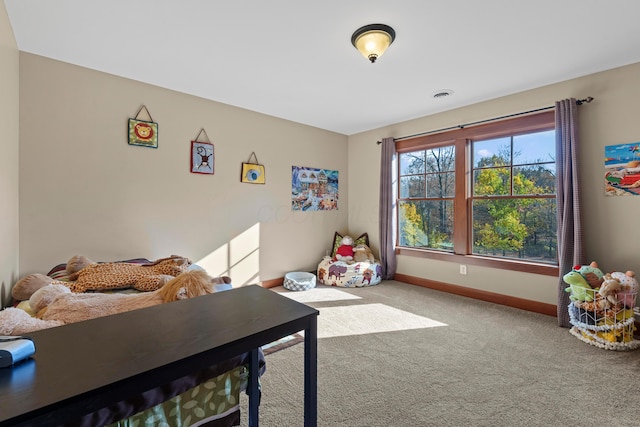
<point>57,305</point>
<point>362,252</point>
<point>345,250</point>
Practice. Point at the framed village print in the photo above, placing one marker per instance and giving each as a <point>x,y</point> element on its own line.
<point>314,189</point>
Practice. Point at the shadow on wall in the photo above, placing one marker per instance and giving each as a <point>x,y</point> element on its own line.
<point>238,259</point>
<point>5,292</point>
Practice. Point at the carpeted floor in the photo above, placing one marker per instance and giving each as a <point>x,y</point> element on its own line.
<point>401,355</point>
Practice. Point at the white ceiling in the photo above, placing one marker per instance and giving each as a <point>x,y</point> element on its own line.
<point>293,59</point>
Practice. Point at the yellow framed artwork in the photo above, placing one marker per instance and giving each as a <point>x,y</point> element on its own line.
<point>252,172</point>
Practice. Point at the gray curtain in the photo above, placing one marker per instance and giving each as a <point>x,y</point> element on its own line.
<point>387,210</point>
<point>570,245</point>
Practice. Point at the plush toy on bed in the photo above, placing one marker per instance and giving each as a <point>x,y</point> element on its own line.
<point>86,275</point>
<point>56,305</point>
<point>345,250</point>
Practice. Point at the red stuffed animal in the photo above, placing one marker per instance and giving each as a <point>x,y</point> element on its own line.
<point>345,250</point>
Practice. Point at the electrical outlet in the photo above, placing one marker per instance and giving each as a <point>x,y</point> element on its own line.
<point>463,269</point>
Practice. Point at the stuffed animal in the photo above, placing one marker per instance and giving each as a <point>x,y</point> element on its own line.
<point>582,280</point>
<point>591,273</point>
<point>345,250</point>
<point>629,288</point>
<point>119,275</point>
<point>610,288</point>
<point>25,287</point>
<point>57,305</point>
<point>578,286</point>
<point>86,275</point>
<point>362,252</point>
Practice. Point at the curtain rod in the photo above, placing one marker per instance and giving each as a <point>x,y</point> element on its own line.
<point>586,100</point>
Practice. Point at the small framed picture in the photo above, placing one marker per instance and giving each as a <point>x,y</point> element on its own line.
<point>252,173</point>
<point>202,157</point>
<point>143,133</point>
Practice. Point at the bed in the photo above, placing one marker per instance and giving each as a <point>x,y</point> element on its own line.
<point>209,397</point>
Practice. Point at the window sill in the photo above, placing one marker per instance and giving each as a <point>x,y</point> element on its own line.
<point>505,264</point>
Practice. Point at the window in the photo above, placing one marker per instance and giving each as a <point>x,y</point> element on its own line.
<point>486,192</point>
<point>427,194</point>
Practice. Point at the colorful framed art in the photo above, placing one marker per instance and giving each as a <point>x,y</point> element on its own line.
<point>202,155</point>
<point>622,169</point>
<point>314,189</point>
<point>143,132</point>
<point>252,172</point>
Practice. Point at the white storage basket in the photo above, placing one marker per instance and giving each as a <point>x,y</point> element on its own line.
<point>610,328</point>
<point>299,281</point>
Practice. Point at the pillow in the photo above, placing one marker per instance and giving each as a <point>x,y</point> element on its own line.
<point>337,241</point>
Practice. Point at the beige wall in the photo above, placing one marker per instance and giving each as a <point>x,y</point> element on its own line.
<point>612,235</point>
<point>9,70</point>
<point>84,190</point>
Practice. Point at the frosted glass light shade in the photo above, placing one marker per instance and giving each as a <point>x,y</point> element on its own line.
<point>372,40</point>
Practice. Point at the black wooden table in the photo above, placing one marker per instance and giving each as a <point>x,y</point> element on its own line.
<point>85,366</point>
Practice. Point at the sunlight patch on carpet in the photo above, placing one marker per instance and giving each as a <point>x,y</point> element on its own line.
<point>368,319</point>
<point>319,295</point>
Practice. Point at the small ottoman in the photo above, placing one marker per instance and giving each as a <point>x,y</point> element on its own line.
<point>299,281</point>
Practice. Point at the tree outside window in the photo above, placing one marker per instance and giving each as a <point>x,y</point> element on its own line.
<point>513,202</point>
<point>488,191</point>
<point>427,191</point>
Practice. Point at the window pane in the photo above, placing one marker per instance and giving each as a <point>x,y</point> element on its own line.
<point>492,152</point>
<point>426,224</point>
<point>491,182</point>
<point>412,163</point>
<point>539,147</point>
<point>412,186</point>
<point>441,159</point>
<point>515,228</point>
<point>534,179</point>
<point>441,185</point>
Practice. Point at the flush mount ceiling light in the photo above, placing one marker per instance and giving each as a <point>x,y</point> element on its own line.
<point>372,40</point>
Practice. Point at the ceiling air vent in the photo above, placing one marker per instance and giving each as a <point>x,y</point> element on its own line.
<point>443,93</point>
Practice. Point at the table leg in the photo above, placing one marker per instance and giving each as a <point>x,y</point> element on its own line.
<point>254,396</point>
<point>311,373</point>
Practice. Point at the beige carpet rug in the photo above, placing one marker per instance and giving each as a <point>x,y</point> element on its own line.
<point>400,355</point>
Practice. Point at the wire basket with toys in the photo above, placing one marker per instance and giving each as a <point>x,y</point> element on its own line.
<point>602,306</point>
